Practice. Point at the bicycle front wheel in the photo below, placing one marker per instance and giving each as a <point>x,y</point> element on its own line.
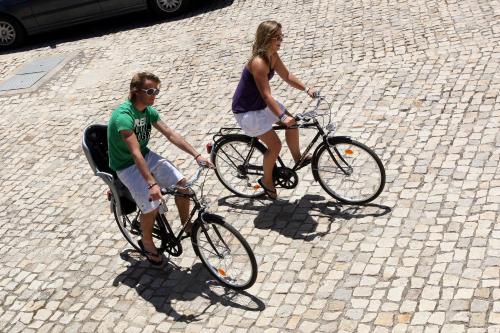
<point>224,252</point>
<point>239,165</point>
<point>349,171</point>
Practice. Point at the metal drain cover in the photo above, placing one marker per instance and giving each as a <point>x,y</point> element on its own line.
<point>31,73</point>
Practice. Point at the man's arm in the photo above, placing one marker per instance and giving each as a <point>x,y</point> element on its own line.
<point>179,141</point>
<point>133,145</point>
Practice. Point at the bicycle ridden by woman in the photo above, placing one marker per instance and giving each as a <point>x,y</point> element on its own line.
<point>256,110</point>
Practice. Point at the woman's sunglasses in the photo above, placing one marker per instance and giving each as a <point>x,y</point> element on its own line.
<point>151,91</point>
<point>279,38</point>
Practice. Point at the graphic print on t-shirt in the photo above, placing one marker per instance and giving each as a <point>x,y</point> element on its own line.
<point>142,129</point>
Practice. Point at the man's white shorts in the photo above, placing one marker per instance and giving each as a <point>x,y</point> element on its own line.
<point>164,172</point>
<point>255,123</point>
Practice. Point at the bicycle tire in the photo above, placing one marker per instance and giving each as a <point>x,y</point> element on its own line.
<point>370,176</point>
<point>228,156</point>
<point>125,226</point>
<point>216,243</point>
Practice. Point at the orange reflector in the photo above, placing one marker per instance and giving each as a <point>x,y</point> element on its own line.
<point>221,272</point>
<point>348,151</point>
<point>256,187</point>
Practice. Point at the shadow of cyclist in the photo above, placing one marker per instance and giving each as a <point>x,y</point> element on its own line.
<point>302,218</point>
<point>168,284</point>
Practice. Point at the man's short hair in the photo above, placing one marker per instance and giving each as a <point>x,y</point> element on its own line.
<point>138,80</point>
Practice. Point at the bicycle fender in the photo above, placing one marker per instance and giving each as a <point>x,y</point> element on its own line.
<point>211,217</point>
<point>331,141</point>
<point>336,139</point>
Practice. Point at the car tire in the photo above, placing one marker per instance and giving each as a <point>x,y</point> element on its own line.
<point>12,33</point>
<point>167,8</point>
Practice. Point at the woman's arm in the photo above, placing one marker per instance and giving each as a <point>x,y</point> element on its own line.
<point>290,78</point>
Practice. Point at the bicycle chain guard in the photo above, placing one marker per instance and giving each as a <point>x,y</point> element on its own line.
<point>285,177</point>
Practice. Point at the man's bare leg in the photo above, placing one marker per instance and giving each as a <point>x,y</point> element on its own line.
<point>147,223</point>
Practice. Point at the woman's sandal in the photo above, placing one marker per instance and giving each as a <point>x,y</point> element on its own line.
<point>305,162</point>
<point>267,191</point>
<point>148,254</point>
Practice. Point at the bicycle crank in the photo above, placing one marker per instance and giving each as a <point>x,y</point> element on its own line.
<point>173,246</point>
<point>285,177</point>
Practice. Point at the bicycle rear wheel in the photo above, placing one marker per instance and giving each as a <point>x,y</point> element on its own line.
<point>131,230</point>
<point>224,252</point>
<point>229,158</point>
<point>349,171</point>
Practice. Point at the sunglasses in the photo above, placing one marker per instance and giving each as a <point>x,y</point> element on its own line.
<point>151,91</point>
<point>279,38</point>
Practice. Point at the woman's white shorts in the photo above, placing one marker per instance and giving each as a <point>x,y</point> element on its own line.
<point>255,123</point>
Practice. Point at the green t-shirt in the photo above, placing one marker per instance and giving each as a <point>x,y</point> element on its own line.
<point>127,117</point>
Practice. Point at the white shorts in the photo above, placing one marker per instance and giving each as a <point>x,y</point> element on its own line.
<point>165,175</point>
<point>255,123</point>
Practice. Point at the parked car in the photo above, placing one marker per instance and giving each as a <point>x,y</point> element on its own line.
<point>19,18</point>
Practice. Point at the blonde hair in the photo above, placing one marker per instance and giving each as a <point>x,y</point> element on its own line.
<point>265,32</point>
<point>137,82</point>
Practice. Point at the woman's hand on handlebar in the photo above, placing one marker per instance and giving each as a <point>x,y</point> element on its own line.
<point>289,121</point>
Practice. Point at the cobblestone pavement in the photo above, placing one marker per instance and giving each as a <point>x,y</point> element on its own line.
<point>416,80</point>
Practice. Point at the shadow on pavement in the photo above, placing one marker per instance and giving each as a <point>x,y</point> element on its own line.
<point>299,219</point>
<point>168,284</point>
<point>112,25</point>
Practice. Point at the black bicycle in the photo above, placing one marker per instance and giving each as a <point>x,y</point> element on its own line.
<point>346,169</point>
<point>220,247</point>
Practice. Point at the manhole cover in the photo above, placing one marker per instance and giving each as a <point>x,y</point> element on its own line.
<point>31,73</point>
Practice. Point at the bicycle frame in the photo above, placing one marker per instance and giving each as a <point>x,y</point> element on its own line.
<point>314,124</point>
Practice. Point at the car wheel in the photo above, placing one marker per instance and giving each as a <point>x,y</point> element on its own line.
<point>11,33</point>
<point>168,7</point>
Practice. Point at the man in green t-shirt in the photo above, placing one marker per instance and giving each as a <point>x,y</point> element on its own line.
<point>141,170</point>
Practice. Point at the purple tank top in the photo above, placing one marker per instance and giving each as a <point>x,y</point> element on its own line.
<point>247,97</point>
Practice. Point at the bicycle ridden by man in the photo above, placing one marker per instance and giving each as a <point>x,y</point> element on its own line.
<point>140,169</point>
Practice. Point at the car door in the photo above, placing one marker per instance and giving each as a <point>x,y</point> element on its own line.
<point>122,6</point>
<point>64,12</point>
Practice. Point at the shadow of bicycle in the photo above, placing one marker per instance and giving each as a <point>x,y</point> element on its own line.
<point>302,218</point>
<point>169,285</point>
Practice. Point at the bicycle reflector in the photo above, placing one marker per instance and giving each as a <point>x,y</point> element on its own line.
<point>209,147</point>
<point>348,151</point>
<point>221,272</point>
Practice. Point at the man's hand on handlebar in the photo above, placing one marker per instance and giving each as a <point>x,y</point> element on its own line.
<point>313,93</point>
<point>202,161</point>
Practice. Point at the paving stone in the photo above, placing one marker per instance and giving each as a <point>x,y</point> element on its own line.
<point>416,81</point>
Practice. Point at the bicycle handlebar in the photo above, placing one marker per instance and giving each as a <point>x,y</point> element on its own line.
<point>173,189</point>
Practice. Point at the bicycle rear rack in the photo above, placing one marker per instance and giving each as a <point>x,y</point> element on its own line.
<point>225,131</point>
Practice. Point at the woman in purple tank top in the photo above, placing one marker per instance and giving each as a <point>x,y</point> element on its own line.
<point>254,107</point>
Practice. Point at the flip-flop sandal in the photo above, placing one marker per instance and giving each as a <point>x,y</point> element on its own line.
<point>147,254</point>
<point>267,191</point>
<point>306,162</point>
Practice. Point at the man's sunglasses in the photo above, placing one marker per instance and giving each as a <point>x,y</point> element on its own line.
<point>151,91</point>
